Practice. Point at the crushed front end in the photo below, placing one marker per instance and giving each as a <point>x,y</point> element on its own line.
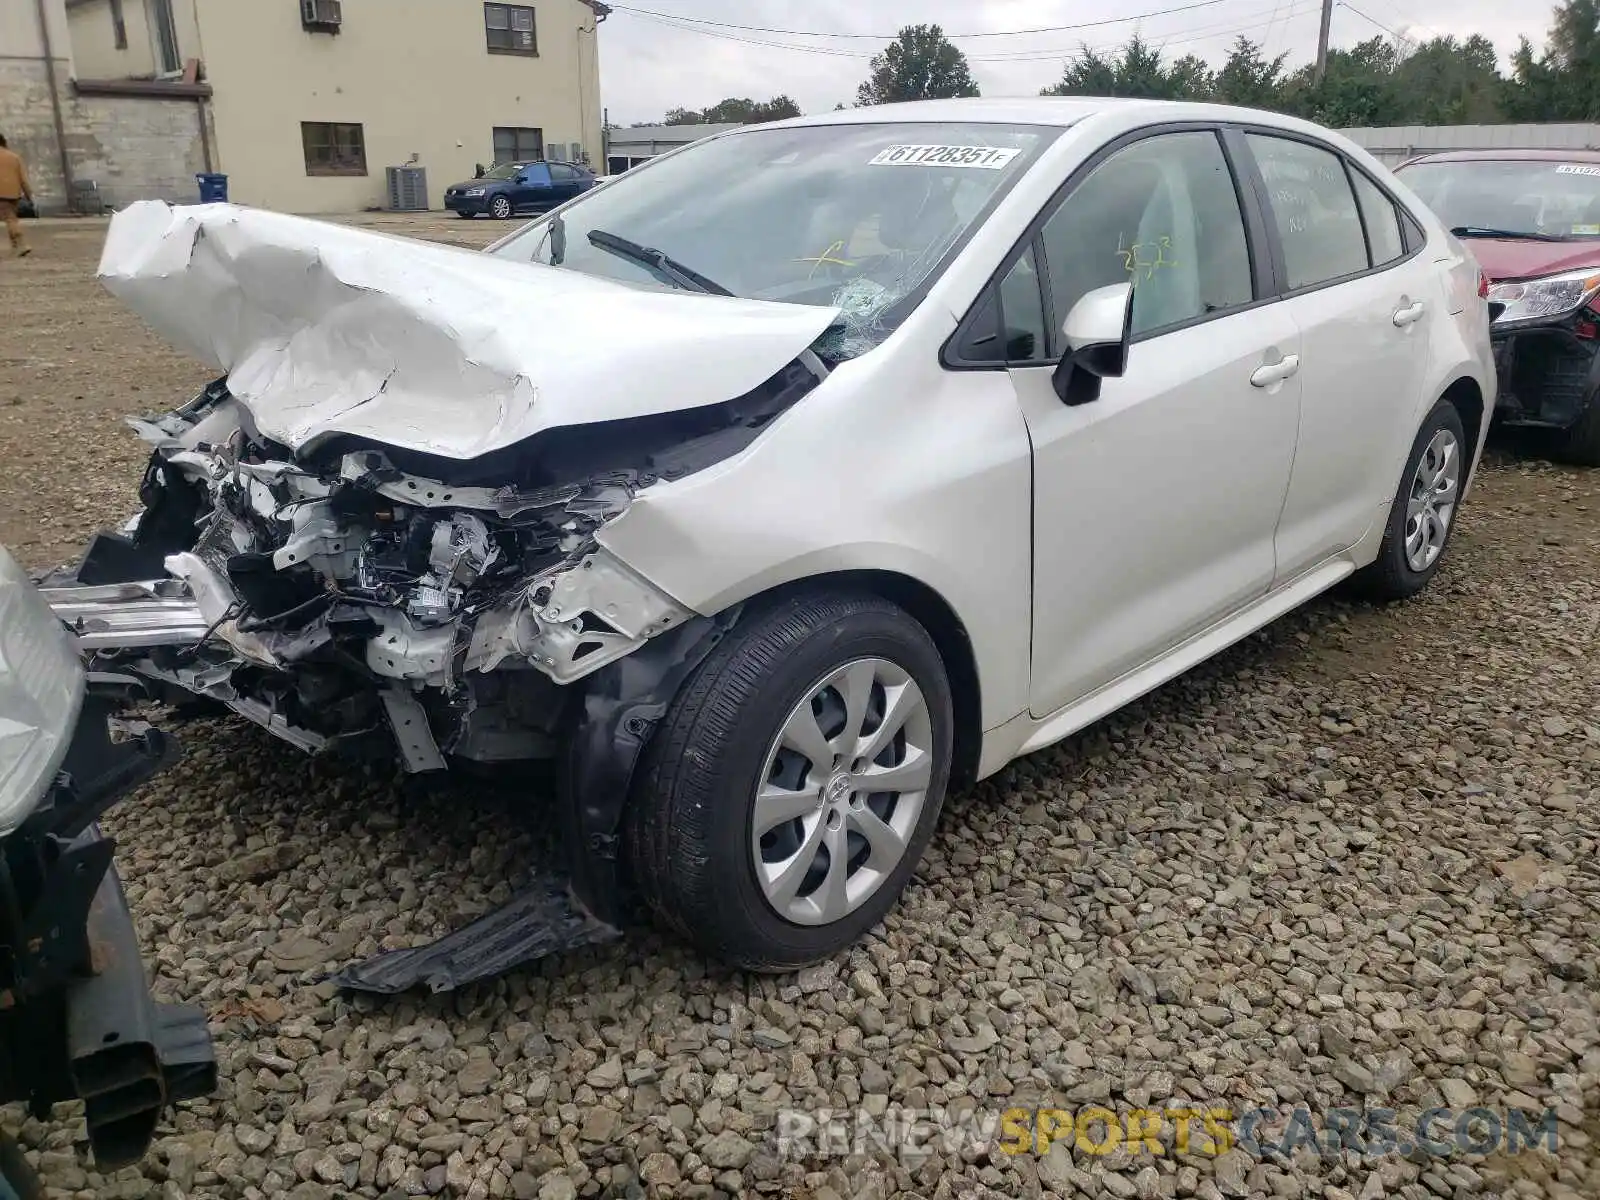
<point>1548,374</point>
<point>1546,333</point>
<point>351,604</point>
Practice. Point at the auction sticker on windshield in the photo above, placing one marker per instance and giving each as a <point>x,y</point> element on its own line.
<point>984,158</point>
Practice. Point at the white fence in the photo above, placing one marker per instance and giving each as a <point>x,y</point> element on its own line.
<point>1400,142</point>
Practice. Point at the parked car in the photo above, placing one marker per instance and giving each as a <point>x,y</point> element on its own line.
<point>1532,218</point>
<point>788,480</point>
<point>77,1020</point>
<point>515,188</point>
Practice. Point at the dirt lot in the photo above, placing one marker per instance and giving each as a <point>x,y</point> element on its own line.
<point>1351,864</point>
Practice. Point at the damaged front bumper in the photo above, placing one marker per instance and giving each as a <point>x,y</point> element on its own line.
<point>1549,374</point>
<point>334,606</point>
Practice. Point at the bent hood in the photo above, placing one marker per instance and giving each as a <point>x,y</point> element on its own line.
<point>1508,258</point>
<point>324,329</point>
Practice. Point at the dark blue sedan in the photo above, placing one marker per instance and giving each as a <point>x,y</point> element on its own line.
<point>513,188</point>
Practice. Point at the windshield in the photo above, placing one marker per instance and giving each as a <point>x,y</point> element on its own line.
<point>1532,197</point>
<point>503,171</point>
<point>850,216</point>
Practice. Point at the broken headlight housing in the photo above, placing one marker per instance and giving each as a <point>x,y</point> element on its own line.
<point>41,690</point>
<point>1541,299</point>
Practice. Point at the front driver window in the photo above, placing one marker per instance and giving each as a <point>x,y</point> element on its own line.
<point>1163,214</point>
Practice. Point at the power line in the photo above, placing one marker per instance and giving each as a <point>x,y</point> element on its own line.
<point>889,37</point>
<point>829,51</point>
<point>1399,37</point>
<point>1176,37</point>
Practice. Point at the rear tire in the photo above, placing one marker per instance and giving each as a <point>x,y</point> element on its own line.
<point>1414,541</point>
<point>1580,444</point>
<point>766,896</point>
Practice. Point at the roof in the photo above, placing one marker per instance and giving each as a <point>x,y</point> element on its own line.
<point>1061,111</point>
<point>1021,110</point>
<point>1574,156</point>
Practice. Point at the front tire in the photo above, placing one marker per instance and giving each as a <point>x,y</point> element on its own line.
<point>793,785</point>
<point>500,208</point>
<point>1424,511</point>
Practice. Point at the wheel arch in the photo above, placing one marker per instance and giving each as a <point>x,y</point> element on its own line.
<point>934,613</point>
<point>1467,396</point>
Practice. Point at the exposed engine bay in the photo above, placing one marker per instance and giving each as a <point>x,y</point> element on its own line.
<point>357,590</point>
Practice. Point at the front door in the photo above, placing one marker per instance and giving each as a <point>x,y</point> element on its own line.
<point>1155,505</point>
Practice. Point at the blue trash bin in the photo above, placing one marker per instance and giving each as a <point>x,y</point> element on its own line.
<point>213,188</point>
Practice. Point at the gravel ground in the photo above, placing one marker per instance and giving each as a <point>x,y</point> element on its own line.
<point>1350,863</point>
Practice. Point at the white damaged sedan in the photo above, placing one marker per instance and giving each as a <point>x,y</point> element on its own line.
<point>787,481</point>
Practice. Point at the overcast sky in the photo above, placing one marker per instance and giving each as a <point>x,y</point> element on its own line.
<point>649,65</point>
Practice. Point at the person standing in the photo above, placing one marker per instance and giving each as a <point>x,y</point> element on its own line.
<point>14,190</point>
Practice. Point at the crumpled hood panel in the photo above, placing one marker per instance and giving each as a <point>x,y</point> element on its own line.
<point>325,329</point>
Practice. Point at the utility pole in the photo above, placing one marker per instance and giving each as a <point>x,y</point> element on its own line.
<point>1322,42</point>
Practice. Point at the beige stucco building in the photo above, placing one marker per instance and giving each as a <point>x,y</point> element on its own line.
<point>302,103</point>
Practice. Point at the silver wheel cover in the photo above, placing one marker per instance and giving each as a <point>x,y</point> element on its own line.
<point>841,791</point>
<point>1435,489</point>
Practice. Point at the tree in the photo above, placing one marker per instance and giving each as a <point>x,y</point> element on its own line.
<point>920,64</point>
<point>1138,71</point>
<point>1446,82</point>
<point>1249,79</point>
<point>1562,84</point>
<point>735,110</point>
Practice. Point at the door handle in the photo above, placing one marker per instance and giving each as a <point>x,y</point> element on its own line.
<point>1276,372</point>
<point>1408,314</point>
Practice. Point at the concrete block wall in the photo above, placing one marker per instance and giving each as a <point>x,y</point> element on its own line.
<point>134,147</point>
<point>30,129</point>
<point>137,147</point>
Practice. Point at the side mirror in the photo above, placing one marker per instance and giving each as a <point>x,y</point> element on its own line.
<point>1095,341</point>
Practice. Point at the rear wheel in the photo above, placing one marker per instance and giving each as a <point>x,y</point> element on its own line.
<point>1424,510</point>
<point>789,793</point>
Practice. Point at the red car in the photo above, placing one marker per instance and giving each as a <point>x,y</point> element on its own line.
<point>1532,220</point>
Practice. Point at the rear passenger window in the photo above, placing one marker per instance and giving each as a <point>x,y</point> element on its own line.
<point>1383,221</point>
<point>1313,208</point>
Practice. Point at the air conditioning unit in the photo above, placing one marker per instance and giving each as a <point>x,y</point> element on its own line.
<point>408,189</point>
<point>325,15</point>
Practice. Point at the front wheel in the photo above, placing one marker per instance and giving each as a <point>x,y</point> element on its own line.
<point>792,787</point>
<point>500,208</point>
<point>1423,514</point>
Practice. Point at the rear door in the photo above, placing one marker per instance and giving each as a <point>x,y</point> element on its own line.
<point>564,182</point>
<point>533,186</point>
<point>1363,298</point>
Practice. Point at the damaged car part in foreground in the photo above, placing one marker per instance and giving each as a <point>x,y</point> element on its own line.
<point>77,1020</point>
